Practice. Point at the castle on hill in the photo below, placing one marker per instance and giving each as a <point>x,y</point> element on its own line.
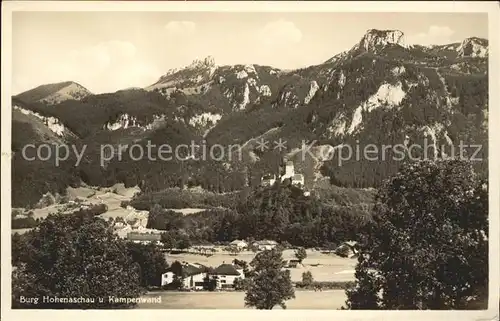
<point>289,173</point>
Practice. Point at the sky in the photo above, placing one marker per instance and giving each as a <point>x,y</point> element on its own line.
<point>109,51</point>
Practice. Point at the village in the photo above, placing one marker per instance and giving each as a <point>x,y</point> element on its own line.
<point>226,265</point>
<point>222,264</point>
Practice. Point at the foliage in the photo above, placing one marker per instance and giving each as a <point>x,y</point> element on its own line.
<point>307,278</point>
<point>427,247</point>
<point>63,257</point>
<point>151,261</point>
<point>342,251</point>
<point>280,212</point>
<point>174,239</point>
<point>24,222</point>
<point>98,209</point>
<point>210,282</point>
<point>178,198</point>
<point>244,265</point>
<point>177,268</point>
<point>18,245</point>
<point>271,285</point>
<point>241,284</point>
<point>301,254</point>
<point>161,219</point>
<point>179,274</point>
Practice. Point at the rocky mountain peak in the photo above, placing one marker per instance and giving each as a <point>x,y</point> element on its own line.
<point>473,47</point>
<point>207,62</point>
<point>372,41</point>
<point>198,72</point>
<point>375,38</point>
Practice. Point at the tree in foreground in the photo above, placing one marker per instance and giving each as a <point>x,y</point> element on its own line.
<point>151,261</point>
<point>179,275</point>
<point>301,254</point>
<point>74,256</point>
<point>427,247</point>
<point>271,285</point>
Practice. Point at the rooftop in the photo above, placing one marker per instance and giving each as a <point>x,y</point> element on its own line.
<point>237,241</point>
<point>189,270</point>
<point>226,269</point>
<point>143,237</point>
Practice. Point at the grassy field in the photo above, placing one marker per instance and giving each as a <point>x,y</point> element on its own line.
<point>331,300</point>
<point>324,267</point>
<point>111,196</point>
<point>186,211</point>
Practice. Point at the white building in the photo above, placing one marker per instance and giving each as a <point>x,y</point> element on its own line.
<point>167,278</point>
<point>265,245</point>
<point>226,274</point>
<point>193,277</point>
<point>289,171</point>
<point>297,179</point>
<point>240,244</point>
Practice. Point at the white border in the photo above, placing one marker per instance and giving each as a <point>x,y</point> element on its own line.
<point>217,6</point>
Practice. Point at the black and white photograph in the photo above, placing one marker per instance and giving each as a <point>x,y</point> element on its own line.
<point>211,159</point>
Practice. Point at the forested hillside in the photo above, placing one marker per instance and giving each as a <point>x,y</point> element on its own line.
<point>380,92</point>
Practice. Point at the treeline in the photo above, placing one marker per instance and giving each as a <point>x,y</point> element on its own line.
<point>22,220</point>
<point>32,179</point>
<point>177,198</point>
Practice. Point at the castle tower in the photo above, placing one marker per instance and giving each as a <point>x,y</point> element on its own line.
<point>289,171</point>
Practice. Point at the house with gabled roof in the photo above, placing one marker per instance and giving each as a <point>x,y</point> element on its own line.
<point>193,276</point>
<point>225,274</point>
<point>239,244</point>
<point>265,245</point>
<point>347,249</point>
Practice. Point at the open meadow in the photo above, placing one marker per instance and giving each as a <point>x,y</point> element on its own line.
<point>327,300</point>
<point>324,267</point>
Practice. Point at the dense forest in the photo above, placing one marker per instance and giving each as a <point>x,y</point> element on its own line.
<point>280,212</point>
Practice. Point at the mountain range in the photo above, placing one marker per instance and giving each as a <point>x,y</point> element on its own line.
<point>381,91</point>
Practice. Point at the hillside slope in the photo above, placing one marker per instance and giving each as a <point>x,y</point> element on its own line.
<point>381,91</point>
<point>55,93</point>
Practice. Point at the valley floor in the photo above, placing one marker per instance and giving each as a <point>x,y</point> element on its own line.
<point>324,267</point>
